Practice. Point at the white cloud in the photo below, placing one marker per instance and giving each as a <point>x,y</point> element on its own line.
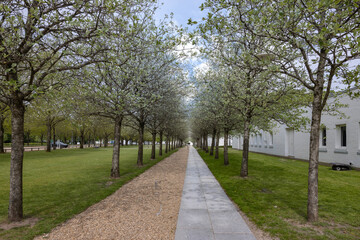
<point>202,67</point>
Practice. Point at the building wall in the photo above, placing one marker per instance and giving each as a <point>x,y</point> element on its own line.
<point>221,141</point>
<point>287,142</point>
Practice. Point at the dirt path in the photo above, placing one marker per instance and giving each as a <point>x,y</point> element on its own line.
<point>145,208</point>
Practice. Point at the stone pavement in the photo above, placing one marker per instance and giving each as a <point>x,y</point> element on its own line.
<point>206,212</point>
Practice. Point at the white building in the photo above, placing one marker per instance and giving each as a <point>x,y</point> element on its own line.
<point>221,141</point>
<point>339,138</point>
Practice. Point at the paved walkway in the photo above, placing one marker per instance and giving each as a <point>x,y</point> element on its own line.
<point>206,212</point>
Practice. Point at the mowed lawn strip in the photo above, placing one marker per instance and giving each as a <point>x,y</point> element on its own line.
<point>63,183</point>
<point>274,196</point>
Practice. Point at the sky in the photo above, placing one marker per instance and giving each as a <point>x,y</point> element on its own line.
<point>182,9</point>
<point>185,9</point>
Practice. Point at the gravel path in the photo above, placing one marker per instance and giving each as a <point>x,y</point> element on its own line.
<point>145,208</point>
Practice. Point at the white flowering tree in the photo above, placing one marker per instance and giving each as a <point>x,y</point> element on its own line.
<point>39,39</point>
<point>311,42</point>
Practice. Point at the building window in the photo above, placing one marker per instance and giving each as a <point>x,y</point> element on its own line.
<point>343,136</point>
<point>340,141</point>
<point>323,137</point>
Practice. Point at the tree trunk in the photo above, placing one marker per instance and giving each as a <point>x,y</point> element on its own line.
<point>94,139</point>
<point>312,205</point>
<point>169,147</point>
<point>245,155</point>
<point>54,138</point>
<point>82,138</point>
<point>15,210</point>
<point>213,142</point>
<point>28,137</point>
<point>160,147</point>
<point>2,132</point>
<point>126,142</point>
<point>115,166</point>
<point>48,137</point>
<point>206,143</point>
<point>217,145</point>
<point>141,145</point>
<point>226,139</point>
<point>166,144</point>
<point>106,140</point>
<point>153,145</point>
<point>89,140</point>
<point>75,139</point>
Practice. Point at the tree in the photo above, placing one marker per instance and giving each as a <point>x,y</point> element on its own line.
<point>49,109</point>
<point>108,85</point>
<point>129,135</point>
<point>312,42</point>
<point>37,40</point>
<point>166,109</point>
<point>151,76</point>
<point>251,87</point>
<point>218,103</point>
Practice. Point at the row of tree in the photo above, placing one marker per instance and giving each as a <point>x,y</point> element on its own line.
<point>98,131</point>
<point>77,61</point>
<point>268,61</point>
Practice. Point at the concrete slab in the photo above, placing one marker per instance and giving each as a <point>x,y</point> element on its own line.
<point>208,180</point>
<point>192,187</point>
<point>192,180</point>
<point>189,203</point>
<point>215,205</point>
<point>206,212</point>
<point>228,222</point>
<point>194,218</point>
<point>193,234</point>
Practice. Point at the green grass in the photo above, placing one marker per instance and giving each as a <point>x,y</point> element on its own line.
<point>63,183</point>
<point>274,196</point>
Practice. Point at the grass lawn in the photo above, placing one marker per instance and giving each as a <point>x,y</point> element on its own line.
<point>63,183</point>
<point>274,196</point>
